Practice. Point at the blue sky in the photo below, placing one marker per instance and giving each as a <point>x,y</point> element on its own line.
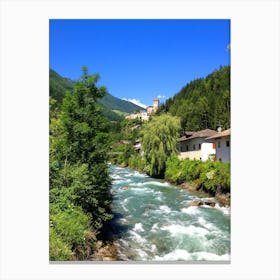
<point>140,59</point>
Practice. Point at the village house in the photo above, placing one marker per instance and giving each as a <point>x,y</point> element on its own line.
<point>193,145</point>
<point>144,115</point>
<point>221,140</point>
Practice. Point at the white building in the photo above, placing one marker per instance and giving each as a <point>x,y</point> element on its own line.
<point>222,143</point>
<point>193,145</point>
<point>144,115</point>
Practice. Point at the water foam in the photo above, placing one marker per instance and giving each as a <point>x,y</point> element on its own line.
<point>121,181</point>
<point>205,224</point>
<point>137,237</point>
<point>155,227</point>
<point>154,183</point>
<point>206,256</point>
<point>116,176</point>
<point>124,208</point>
<point>165,209</point>
<point>142,254</point>
<point>225,210</point>
<point>189,230</point>
<point>191,210</point>
<point>147,190</point>
<point>175,255</point>
<point>183,255</point>
<point>138,227</point>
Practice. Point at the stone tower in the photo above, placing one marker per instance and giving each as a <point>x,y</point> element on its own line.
<point>156,104</point>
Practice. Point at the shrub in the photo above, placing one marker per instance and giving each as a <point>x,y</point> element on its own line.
<point>58,249</point>
<point>174,172</point>
<point>212,176</point>
<point>70,230</point>
<point>136,162</point>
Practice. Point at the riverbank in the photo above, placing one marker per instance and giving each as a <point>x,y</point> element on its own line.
<point>105,251</point>
<point>157,221</point>
<point>223,199</point>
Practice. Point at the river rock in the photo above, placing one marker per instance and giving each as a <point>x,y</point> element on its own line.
<point>105,252</point>
<point>201,202</point>
<point>126,188</point>
<point>210,203</point>
<point>197,203</point>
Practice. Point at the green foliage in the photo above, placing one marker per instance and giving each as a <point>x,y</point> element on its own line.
<point>159,142</point>
<point>58,86</point>
<point>203,103</point>
<point>79,179</point>
<point>71,225</point>
<point>59,250</point>
<point>211,176</point>
<point>136,162</point>
<point>173,170</point>
<point>108,103</point>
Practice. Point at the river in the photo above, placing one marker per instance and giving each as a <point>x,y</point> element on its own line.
<point>154,221</point>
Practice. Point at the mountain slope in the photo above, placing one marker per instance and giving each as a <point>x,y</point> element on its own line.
<point>203,103</point>
<point>113,108</point>
<point>115,103</point>
<point>59,85</point>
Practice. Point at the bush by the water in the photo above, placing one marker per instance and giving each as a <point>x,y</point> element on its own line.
<point>210,176</point>
<point>71,235</point>
<point>136,162</point>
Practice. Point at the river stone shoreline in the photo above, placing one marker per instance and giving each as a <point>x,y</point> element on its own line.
<point>223,199</point>
<point>105,251</point>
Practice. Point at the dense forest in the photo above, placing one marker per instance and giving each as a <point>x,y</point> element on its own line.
<point>202,103</point>
<point>113,108</point>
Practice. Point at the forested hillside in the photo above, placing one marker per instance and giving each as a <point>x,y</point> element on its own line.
<point>113,108</point>
<point>203,103</point>
<point>58,86</point>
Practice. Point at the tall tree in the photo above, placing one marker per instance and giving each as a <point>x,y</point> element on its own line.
<point>79,177</point>
<point>159,142</point>
<point>86,141</point>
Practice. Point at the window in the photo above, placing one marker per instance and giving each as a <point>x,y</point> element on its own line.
<point>219,144</point>
<point>193,146</point>
<point>227,143</point>
<point>187,148</point>
<point>199,146</point>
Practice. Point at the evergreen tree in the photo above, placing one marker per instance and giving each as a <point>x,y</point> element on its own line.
<point>86,141</point>
<point>79,178</point>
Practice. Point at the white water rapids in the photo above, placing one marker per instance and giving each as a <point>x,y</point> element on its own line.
<point>153,221</point>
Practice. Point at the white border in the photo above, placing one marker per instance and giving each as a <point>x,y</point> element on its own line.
<point>24,137</point>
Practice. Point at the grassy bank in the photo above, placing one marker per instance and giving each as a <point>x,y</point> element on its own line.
<point>203,177</point>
